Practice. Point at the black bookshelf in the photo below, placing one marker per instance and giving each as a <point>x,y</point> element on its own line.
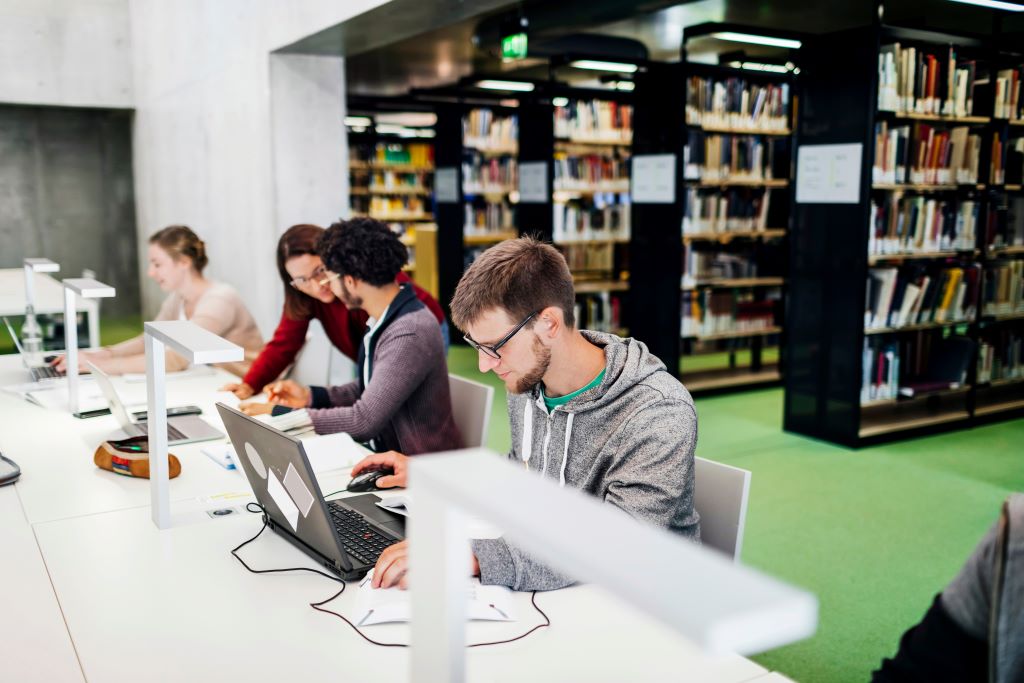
<point>833,347</point>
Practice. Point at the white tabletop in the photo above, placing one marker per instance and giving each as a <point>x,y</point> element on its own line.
<point>140,603</point>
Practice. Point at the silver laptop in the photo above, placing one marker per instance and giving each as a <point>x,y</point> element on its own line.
<point>180,430</point>
<point>346,536</point>
<point>40,370</point>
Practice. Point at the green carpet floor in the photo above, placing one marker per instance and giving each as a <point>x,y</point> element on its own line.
<point>874,533</point>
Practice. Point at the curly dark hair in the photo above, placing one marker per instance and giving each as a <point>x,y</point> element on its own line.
<point>364,248</point>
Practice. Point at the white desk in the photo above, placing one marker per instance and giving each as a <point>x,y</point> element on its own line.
<point>175,605</point>
<point>49,299</point>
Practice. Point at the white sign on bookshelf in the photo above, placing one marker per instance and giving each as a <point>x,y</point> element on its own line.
<point>654,179</point>
<point>828,174</point>
<point>446,185</point>
<point>533,182</point>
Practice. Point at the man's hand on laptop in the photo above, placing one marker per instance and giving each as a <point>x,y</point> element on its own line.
<point>392,568</point>
<point>396,462</point>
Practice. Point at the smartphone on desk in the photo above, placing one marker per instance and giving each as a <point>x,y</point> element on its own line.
<point>142,415</point>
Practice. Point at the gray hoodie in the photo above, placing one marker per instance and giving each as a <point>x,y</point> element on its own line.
<point>628,441</point>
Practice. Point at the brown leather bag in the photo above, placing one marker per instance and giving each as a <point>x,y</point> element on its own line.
<point>131,463</point>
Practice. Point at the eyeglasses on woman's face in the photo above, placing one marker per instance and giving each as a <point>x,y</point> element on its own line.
<point>304,281</point>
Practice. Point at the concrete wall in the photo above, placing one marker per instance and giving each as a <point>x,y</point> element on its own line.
<point>232,141</point>
<point>73,53</point>
<point>66,194</point>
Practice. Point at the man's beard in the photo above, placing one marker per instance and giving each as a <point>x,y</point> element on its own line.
<point>532,378</point>
<point>348,298</point>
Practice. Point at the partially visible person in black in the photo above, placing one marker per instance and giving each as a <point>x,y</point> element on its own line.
<point>974,630</point>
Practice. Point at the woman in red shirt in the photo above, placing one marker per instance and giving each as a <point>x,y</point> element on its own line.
<point>306,298</point>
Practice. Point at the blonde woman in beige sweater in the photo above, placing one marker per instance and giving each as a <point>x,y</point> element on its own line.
<point>176,260</point>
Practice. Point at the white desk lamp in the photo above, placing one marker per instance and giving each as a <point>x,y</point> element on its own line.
<point>31,335</point>
<point>720,606</point>
<point>199,347</point>
<point>87,288</point>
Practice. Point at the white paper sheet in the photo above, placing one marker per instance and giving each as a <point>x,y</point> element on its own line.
<point>829,174</point>
<point>332,451</point>
<point>283,500</point>
<point>385,605</point>
<point>298,490</point>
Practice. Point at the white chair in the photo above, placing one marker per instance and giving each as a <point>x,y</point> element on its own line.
<point>721,501</point>
<point>471,407</point>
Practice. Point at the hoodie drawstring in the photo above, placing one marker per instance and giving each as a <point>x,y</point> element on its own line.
<point>527,434</point>
<point>565,451</point>
<point>527,443</point>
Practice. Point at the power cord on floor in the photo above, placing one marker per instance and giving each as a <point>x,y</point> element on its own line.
<point>256,508</point>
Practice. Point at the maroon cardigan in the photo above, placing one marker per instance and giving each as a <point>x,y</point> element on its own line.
<point>345,328</point>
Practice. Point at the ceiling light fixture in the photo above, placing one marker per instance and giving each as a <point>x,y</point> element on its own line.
<point>358,121</point>
<point>759,66</point>
<point>560,101</point>
<point>756,39</point>
<point>626,86</point>
<point>599,65</point>
<point>516,86</point>
<point>994,4</point>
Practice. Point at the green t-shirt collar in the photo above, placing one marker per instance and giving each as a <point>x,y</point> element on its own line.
<point>552,403</point>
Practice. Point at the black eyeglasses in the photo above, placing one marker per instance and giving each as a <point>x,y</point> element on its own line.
<point>492,351</point>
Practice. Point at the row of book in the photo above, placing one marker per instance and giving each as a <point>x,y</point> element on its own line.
<point>578,220</point>
<point>714,157</point>
<point>926,81</point>
<point>707,265</point>
<point>483,129</point>
<point>385,208</point>
<point>913,366</point>
<point>918,294</point>
<point>600,311</point>
<point>1001,356</point>
<point>924,154</point>
<point>915,224</point>
<point>1005,222</point>
<point>420,154</point>
<point>711,312</point>
<point>594,120</point>
<point>736,103</point>
<point>723,211</point>
<point>1003,293</point>
<point>1007,159</point>
<point>394,180</point>
<point>496,174</point>
<point>482,218</point>
<point>1007,94</point>
<point>592,171</point>
<point>595,260</point>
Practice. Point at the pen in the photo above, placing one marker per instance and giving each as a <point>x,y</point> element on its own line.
<point>498,611</point>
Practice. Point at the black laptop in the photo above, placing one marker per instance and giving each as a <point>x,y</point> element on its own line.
<point>346,536</point>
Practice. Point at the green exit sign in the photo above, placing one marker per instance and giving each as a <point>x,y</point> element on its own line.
<point>513,46</point>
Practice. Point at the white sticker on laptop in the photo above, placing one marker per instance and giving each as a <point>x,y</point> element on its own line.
<point>298,490</point>
<point>283,500</point>
<point>255,460</point>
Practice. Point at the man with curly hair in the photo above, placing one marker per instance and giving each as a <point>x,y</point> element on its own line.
<point>401,400</point>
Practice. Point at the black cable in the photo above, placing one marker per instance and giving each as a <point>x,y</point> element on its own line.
<point>319,606</point>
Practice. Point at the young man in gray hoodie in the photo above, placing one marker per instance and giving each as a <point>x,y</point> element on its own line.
<point>591,410</point>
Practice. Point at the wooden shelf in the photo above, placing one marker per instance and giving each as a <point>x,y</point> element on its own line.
<point>908,399</point>
<point>1000,251</point>
<point>595,286</point>
<point>1000,382</point>
<point>900,424</point>
<point>501,191</point>
<point>1005,317</point>
<point>999,407</point>
<point>737,282</point>
<point>732,130</point>
<point>592,142</point>
<point>488,238</point>
<point>399,217</point>
<point>609,240</point>
<point>976,120</point>
<point>881,258</point>
<point>592,190</point>
<point>1012,187</point>
<point>399,190</point>
<point>726,237</point>
<point>924,187</point>
<point>742,182</point>
<point>398,168</point>
<point>1017,122</point>
<point>704,380</point>
<point>489,151</point>
<point>915,328</point>
<point>736,335</point>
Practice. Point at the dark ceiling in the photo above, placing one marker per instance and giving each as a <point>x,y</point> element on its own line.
<point>426,43</point>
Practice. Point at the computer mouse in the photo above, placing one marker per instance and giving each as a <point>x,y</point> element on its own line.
<point>367,481</point>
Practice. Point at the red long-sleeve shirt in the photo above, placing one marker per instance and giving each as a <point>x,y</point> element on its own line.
<point>344,327</point>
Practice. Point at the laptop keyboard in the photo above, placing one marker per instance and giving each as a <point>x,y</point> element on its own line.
<point>359,539</point>
<point>173,433</point>
<point>44,372</point>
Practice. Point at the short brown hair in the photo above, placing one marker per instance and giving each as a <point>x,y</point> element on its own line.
<point>180,242</point>
<point>297,240</point>
<point>522,276</point>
